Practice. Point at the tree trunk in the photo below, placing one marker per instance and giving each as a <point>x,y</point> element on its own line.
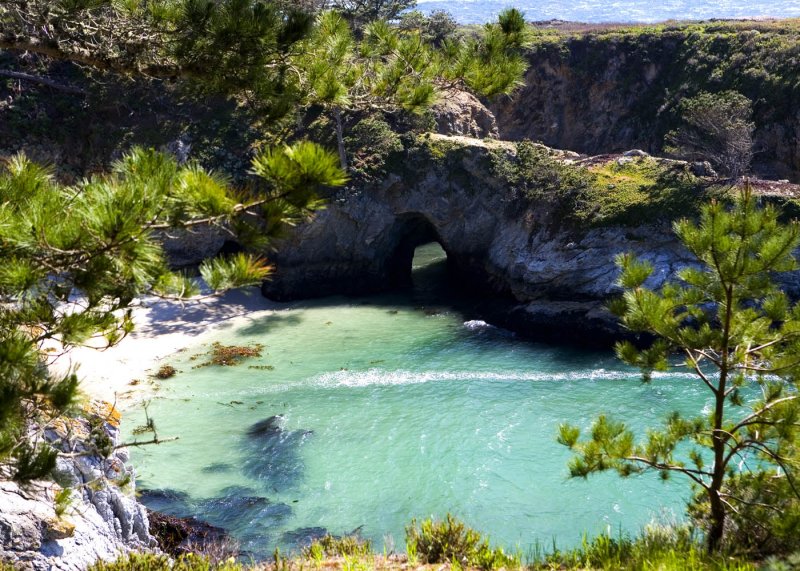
<point>717,528</point>
<point>337,115</point>
<point>719,436</point>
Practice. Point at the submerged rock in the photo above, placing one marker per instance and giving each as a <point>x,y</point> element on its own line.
<point>167,501</point>
<point>180,535</point>
<point>303,536</point>
<point>272,453</point>
<point>268,427</point>
<point>217,467</point>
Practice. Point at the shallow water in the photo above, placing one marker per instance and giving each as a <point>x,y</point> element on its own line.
<point>480,11</point>
<point>394,408</point>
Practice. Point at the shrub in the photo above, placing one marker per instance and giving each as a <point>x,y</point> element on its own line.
<point>717,127</point>
<point>537,174</point>
<point>152,562</point>
<point>369,144</point>
<point>450,540</point>
<point>333,546</point>
<point>766,520</point>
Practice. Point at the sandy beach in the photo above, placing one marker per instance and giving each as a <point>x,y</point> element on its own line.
<point>123,373</point>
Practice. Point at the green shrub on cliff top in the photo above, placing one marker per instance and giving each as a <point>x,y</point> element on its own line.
<point>451,541</point>
<point>629,191</point>
<point>624,191</point>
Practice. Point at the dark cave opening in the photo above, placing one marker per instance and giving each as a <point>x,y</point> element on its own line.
<point>404,268</point>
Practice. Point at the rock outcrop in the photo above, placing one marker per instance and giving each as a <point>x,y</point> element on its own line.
<point>607,90</point>
<point>461,113</point>
<point>555,275</point>
<point>102,518</point>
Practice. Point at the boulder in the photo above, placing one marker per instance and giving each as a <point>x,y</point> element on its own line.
<point>461,113</point>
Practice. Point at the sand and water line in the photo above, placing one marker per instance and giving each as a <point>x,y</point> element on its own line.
<point>363,413</point>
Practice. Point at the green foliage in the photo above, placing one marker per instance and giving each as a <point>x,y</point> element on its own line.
<point>738,333</point>
<point>400,67</point>
<point>435,28</point>
<point>626,191</point>
<point>361,12</point>
<point>789,563</point>
<point>231,46</point>
<point>767,516</point>
<point>492,63</point>
<point>663,548</point>
<point>369,144</point>
<point>451,541</point>
<point>63,501</point>
<point>77,256</point>
<point>332,546</point>
<point>152,562</point>
<point>716,127</point>
<point>537,173</point>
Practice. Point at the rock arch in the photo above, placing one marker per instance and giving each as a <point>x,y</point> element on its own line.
<point>413,229</point>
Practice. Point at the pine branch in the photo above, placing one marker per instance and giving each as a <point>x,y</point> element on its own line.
<point>43,81</point>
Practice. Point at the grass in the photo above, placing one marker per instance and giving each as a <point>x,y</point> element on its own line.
<point>441,546</point>
<point>661,548</point>
<point>639,189</point>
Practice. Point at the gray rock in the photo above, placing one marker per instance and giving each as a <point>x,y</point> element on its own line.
<point>494,240</point>
<point>635,153</point>
<point>461,113</point>
<point>103,519</point>
<point>702,168</point>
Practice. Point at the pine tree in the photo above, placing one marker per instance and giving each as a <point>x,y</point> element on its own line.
<point>739,334</point>
<point>233,47</point>
<point>391,68</point>
<point>75,257</point>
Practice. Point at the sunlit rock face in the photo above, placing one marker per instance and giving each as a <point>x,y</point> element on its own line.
<point>102,519</point>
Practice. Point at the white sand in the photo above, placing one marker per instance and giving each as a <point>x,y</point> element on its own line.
<point>162,329</point>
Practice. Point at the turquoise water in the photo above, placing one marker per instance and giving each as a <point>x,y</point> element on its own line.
<point>393,408</point>
<point>479,11</point>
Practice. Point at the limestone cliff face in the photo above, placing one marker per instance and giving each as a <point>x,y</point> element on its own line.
<point>103,519</point>
<point>556,274</point>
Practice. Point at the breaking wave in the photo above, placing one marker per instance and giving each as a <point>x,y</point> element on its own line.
<point>377,377</point>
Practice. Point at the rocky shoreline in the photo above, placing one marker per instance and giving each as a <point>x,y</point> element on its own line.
<point>41,531</point>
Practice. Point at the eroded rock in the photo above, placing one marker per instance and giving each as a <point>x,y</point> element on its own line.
<point>103,518</point>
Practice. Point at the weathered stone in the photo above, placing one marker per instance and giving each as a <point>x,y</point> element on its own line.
<point>461,113</point>
<point>702,168</point>
<point>495,242</point>
<point>635,153</point>
<point>102,520</point>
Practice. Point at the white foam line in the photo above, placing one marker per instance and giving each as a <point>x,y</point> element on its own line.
<point>402,377</point>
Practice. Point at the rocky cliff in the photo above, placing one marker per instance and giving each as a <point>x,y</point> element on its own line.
<point>554,268</point>
<point>101,519</point>
<point>607,89</point>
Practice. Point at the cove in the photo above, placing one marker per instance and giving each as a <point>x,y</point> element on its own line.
<point>363,413</point>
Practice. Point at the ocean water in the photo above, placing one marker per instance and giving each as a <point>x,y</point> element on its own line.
<point>480,11</point>
<point>363,413</point>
